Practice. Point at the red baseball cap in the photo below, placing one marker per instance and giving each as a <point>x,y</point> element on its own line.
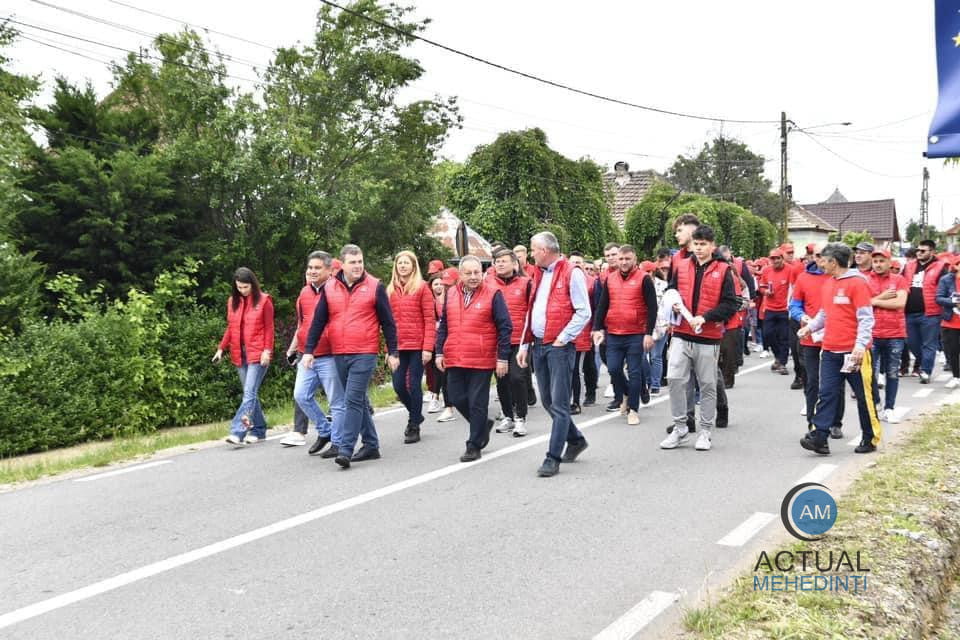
<point>450,276</point>
<point>786,247</point>
<point>882,252</point>
<point>646,265</point>
<point>336,264</point>
<point>435,266</point>
<point>811,248</point>
<point>776,253</point>
<point>896,264</point>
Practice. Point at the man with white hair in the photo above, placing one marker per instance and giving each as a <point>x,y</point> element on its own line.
<point>560,311</point>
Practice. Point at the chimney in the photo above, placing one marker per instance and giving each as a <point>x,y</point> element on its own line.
<point>621,172</point>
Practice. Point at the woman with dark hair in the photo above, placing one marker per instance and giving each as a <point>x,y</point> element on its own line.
<point>249,336</point>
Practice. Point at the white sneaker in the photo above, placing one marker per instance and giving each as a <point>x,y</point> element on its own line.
<point>608,392</point>
<point>519,427</point>
<point>803,409</point>
<point>235,440</point>
<point>505,425</point>
<point>436,405</point>
<point>252,439</point>
<point>890,416</point>
<point>703,441</point>
<point>293,439</point>
<point>881,382</point>
<point>952,383</point>
<point>633,418</point>
<point>764,353</point>
<point>428,397</point>
<point>446,416</point>
<point>674,439</point>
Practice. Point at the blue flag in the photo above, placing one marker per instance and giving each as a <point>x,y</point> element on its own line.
<point>944,138</point>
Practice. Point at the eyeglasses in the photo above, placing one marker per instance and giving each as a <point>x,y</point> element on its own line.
<point>922,250</point>
<point>816,255</point>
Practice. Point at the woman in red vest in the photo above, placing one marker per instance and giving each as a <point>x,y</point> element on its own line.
<point>249,336</point>
<point>412,303</point>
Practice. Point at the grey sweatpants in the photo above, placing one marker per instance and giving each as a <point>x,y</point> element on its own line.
<point>683,359</point>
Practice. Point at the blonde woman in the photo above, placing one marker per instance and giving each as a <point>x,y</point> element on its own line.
<point>412,303</point>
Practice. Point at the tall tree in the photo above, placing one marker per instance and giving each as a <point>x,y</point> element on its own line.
<point>726,169</point>
<point>518,185</point>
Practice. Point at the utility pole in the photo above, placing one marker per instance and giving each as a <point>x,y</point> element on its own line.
<point>925,203</point>
<point>784,187</point>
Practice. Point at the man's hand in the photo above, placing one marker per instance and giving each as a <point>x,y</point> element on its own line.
<point>804,331</point>
<point>888,294</point>
<point>856,356</point>
<point>438,361</point>
<point>522,358</point>
<point>425,356</point>
<point>393,362</point>
<point>307,361</point>
<point>265,358</point>
<point>502,368</point>
<point>697,323</point>
<point>217,356</point>
<point>597,337</point>
<point>559,343</point>
<point>647,343</point>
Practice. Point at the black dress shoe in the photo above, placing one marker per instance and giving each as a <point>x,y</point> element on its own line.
<point>471,454</point>
<point>813,441</point>
<point>590,400</point>
<point>318,445</point>
<point>723,417</point>
<point>411,435</point>
<point>836,432</point>
<point>365,453</point>
<point>644,394</point>
<point>486,434</point>
<point>614,405</point>
<point>575,409</point>
<point>549,468</point>
<point>796,384</point>
<point>343,461</point>
<point>573,450</point>
<point>531,398</point>
<point>865,447</point>
<point>332,452</point>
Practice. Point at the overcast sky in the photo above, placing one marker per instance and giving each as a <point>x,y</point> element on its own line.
<point>820,61</point>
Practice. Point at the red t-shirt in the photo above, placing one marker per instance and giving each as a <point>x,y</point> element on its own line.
<point>889,323</point>
<point>796,268</point>
<point>841,299</point>
<point>780,281</point>
<point>807,291</point>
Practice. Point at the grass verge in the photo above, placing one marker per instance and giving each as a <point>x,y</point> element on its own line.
<point>102,453</point>
<point>903,514</point>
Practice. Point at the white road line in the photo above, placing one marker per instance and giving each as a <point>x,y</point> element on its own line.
<point>953,398</point>
<point>277,437</point>
<point>853,442</point>
<point>377,414</point>
<point>923,393</point>
<point>746,530</point>
<point>943,377</point>
<point>118,472</point>
<point>819,474</point>
<point>162,566</point>
<point>630,623</point>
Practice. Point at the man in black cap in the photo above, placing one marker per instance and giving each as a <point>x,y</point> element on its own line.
<point>863,257</point>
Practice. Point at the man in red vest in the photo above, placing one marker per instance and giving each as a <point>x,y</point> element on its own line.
<point>560,311</point>
<point>846,320</point>
<point>611,253</point>
<point>473,342</point>
<point>706,287</point>
<point>517,290</point>
<point>683,228</point>
<point>890,327</point>
<point>353,309</point>
<point>625,318</point>
<point>922,310</point>
<point>774,285</point>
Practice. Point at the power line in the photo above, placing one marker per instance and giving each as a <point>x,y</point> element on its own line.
<point>851,162</point>
<point>535,78</point>
<point>53,46</point>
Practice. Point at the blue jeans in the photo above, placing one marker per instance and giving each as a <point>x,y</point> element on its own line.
<point>554,369</point>
<point>656,362</point>
<point>355,372</point>
<point>776,334</point>
<point>923,334</point>
<point>811,385</point>
<point>886,355</point>
<point>832,389</point>
<point>407,381</point>
<point>629,348</point>
<point>251,377</point>
<point>322,373</point>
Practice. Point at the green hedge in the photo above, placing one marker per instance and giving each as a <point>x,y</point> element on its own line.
<point>127,369</point>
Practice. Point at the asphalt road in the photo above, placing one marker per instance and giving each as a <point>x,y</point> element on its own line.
<point>267,542</point>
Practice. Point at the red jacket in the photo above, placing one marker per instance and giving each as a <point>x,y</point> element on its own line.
<point>808,290</point>
<point>353,325</point>
<point>781,286</point>
<point>518,294</point>
<point>471,331</point>
<point>414,315</point>
<point>888,323</point>
<point>559,306</point>
<point>250,326</point>
<point>931,276</point>
<point>627,314</point>
<point>306,305</point>
<point>711,286</point>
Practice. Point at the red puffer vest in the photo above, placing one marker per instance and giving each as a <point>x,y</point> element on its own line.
<point>584,341</point>
<point>710,287</point>
<point>888,323</point>
<point>413,313</point>
<point>306,304</point>
<point>517,294</point>
<point>559,306</point>
<point>251,326</point>
<point>930,278</point>
<point>471,332</point>
<point>353,325</point>
<point>627,314</point>
<point>736,320</point>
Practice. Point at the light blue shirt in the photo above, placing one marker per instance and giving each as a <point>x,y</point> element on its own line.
<point>578,298</point>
